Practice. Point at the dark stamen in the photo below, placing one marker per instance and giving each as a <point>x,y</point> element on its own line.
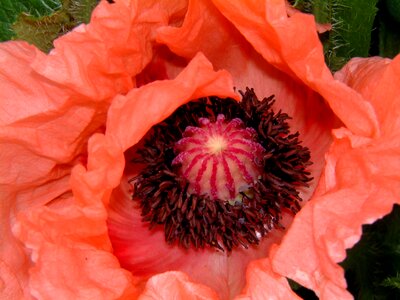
<point>190,219</point>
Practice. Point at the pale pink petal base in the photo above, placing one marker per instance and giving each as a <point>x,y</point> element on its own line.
<point>175,285</point>
<point>84,242</point>
<point>132,239</point>
<point>263,283</point>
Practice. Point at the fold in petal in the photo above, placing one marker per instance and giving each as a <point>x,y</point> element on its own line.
<point>113,47</point>
<point>378,81</point>
<point>291,44</point>
<point>263,283</point>
<point>360,184</point>
<point>175,285</point>
<point>84,244</point>
<point>50,106</point>
<point>231,50</point>
<point>130,117</point>
<point>132,239</point>
<point>162,99</point>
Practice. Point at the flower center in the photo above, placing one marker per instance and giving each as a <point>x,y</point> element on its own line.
<point>220,159</point>
<point>219,172</point>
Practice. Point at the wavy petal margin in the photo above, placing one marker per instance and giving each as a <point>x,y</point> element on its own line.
<point>84,241</point>
<point>360,184</point>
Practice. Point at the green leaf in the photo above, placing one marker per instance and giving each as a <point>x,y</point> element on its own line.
<point>389,24</point>
<point>393,6</point>
<point>393,282</point>
<point>301,291</point>
<point>81,10</point>
<point>352,22</point>
<point>41,22</point>
<point>42,31</point>
<point>389,39</point>
<point>11,9</point>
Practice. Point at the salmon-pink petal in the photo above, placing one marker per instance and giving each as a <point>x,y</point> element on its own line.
<point>359,185</point>
<point>129,118</point>
<point>231,51</point>
<point>132,116</point>
<point>113,47</point>
<point>25,160</point>
<point>175,285</point>
<point>47,115</point>
<point>291,44</point>
<point>377,79</point>
<point>13,263</point>
<point>10,287</point>
<point>263,283</point>
<point>75,264</point>
<point>132,239</point>
<point>84,242</point>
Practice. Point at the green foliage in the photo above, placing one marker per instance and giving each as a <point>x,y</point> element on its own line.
<point>40,25</point>
<point>352,23</point>
<point>301,291</point>
<point>11,9</point>
<point>80,10</point>
<point>389,38</point>
<point>373,264</point>
<point>393,6</point>
<point>389,24</point>
<point>393,282</point>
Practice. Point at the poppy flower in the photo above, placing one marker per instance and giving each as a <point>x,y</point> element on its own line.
<point>69,120</point>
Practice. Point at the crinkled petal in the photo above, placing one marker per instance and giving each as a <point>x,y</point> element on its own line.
<point>230,50</point>
<point>84,243</point>
<point>291,44</point>
<point>263,283</point>
<point>378,81</point>
<point>175,285</point>
<point>359,185</point>
<point>115,46</point>
<point>50,106</point>
<point>13,263</point>
<point>132,239</point>
<point>131,117</point>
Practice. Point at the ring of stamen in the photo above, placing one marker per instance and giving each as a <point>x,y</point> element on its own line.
<point>219,172</point>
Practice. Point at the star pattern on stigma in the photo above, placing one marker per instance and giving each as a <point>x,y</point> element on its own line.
<point>219,172</point>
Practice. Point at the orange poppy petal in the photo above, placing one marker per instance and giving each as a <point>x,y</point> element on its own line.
<point>131,117</point>
<point>122,33</point>
<point>377,80</point>
<point>76,263</point>
<point>231,51</point>
<point>132,239</point>
<point>25,160</point>
<point>263,283</point>
<point>84,244</point>
<point>309,112</point>
<point>47,112</point>
<point>10,287</point>
<point>175,285</point>
<point>360,184</point>
<point>272,33</point>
